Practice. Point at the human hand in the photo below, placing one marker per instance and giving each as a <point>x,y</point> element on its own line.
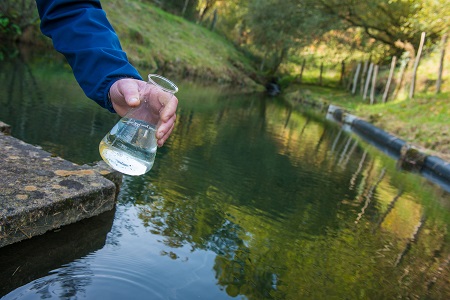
<point>126,94</point>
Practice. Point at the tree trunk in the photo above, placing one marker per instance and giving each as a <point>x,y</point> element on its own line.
<point>416,65</point>
<point>186,3</point>
<point>279,60</point>
<point>214,20</point>
<point>263,62</point>
<point>355,79</point>
<point>209,4</point>
<point>374,84</point>
<point>441,64</point>
<point>388,83</point>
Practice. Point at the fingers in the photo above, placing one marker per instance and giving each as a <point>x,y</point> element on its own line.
<point>167,115</point>
<point>169,107</point>
<point>163,139</point>
<point>164,127</point>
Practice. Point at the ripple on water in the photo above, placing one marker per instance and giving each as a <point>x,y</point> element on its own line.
<point>84,280</point>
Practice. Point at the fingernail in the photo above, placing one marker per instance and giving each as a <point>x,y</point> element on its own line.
<point>133,100</point>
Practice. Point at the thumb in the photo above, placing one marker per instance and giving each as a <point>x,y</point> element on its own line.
<point>130,91</point>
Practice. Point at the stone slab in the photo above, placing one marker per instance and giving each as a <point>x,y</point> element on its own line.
<point>40,192</point>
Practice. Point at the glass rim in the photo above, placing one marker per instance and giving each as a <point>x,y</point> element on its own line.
<point>170,88</point>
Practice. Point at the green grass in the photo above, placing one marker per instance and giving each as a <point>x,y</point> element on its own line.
<point>423,121</point>
<point>158,41</point>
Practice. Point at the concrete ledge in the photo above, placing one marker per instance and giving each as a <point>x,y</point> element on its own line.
<point>39,192</point>
<point>106,171</point>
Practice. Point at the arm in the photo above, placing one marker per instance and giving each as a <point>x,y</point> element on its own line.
<point>82,33</point>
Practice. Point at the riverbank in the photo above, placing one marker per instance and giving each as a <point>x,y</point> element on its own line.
<point>423,121</point>
<point>158,42</point>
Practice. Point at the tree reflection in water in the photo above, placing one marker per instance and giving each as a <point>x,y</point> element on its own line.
<point>293,209</point>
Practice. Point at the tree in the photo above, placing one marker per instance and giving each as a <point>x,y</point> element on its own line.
<point>396,23</point>
<point>277,26</point>
<point>204,7</point>
<point>232,23</point>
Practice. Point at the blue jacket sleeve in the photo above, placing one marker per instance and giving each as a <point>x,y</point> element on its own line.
<point>82,33</point>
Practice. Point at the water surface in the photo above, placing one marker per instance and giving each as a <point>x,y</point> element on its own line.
<point>248,199</point>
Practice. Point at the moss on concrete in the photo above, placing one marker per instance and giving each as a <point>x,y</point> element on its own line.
<point>39,192</point>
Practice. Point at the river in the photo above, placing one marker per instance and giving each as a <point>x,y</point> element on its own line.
<point>248,199</point>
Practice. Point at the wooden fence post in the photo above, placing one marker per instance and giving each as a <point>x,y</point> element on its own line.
<point>416,65</point>
<point>363,76</point>
<point>341,79</point>
<point>441,64</point>
<point>303,68</point>
<point>321,71</point>
<point>369,75</point>
<point>388,83</point>
<point>401,77</point>
<point>374,83</point>
<point>349,80</point>
<point>355,79</point>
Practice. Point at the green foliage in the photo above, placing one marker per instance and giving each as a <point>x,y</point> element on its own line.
<point>278,26</point>
<point>275,30</point>
<point>396,23</point>
<point>15,16</point>
<point>8,29</point>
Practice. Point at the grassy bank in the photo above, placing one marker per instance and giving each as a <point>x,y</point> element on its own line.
<point>423,121</point>
<point>157,41</point>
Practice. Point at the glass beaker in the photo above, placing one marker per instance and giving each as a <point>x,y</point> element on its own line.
<point>130,146</point>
